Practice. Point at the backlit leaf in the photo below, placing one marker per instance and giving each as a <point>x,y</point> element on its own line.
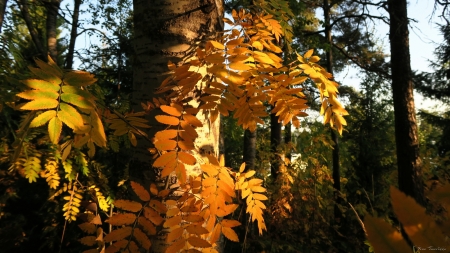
<point>191,119</point>
<point>54,129</point>
<point>38,94</point>
<point>172,221</point>
<point>79,78</point>
<point>166,134</point>
<point>77,100</point>
<point>170,110</point>
<point>43,103</point>
<point>216,44</point>
<point>41,85</point>
<point>165,145</point>
<point>186,158</point>
<point>165,158</point>
<point>140,191</point>
<point>43,118</point>
<point>230,223</point>
<point>230,234</point>
<point>197,229</point>
<point>168,120</point>
<point>70,116</point>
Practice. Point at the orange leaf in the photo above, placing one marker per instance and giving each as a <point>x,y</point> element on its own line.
<point>383,237</point>
<point>259,196</point>
<point>180,171</point>
<point>230,234</point>
<point>191,119</point>
<point>121,219</point>
<point>186,158</point>
<point>230,223</point>
<point>118,234</point>
<point>115,247</point>
<point>128,205</point>
<point>153,189</point>
<point>167,120</point>
<point>186,145</point>
<point>165,145</point>
<point>88,227</point>
<point>197,229</point>
<point>176,220</point>
<point>147,225</point>
<point>88,240</point>
<point>215,234</point>
<point>158,206</point>
<point>172,212</point>
<point>198,242</point>
<point>193,218</point>
<point>174,234</point>
<point>176,246</point>
<point>170,110</point>
<point>166,134</point>
<point>142,238</point>
<point>153,216</point>
<point>165,158</point>
<point>140,191</point>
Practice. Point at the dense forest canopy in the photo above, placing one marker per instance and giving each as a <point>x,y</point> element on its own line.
<point>222,126</point>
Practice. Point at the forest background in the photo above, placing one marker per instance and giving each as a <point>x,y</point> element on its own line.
<point>321,185</point>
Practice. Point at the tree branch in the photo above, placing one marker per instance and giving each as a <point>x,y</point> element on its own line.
<point>34,35</point>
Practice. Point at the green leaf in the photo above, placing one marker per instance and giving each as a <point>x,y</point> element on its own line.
<point>43,118</point>
<point>40,104</point>
<point>70,116</point>
<point>38,94</point>
<point>77,100</point>
<point>40,85</point>
<point>79,78</point>
<point>78,91</point>
<point>54,129</point>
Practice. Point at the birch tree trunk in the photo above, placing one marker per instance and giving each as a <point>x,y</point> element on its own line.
<point>169,30</point>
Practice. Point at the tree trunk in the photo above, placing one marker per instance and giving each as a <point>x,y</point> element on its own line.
<point>168,30</point>
<point>3,4</point>
<point>73,34</point>
<point>275,141</point>
<point>52,8</point>
<point>334,136</point>
<point>23,6</point>
<point>288,140</point>
<point>406,138</point>
<point>249,149</point>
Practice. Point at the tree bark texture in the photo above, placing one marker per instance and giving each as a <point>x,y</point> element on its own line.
<point>275,141</point>
<point>73,34</point>
<point>52,8</point>
<point>249,149</point>
<point>23,6</point>
<point>169,30</point>
<point>335,152</point>
<point>3,4</point>
<point>406,137</point>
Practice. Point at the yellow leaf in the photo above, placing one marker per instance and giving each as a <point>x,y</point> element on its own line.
<point>230,234</point>
<point>42,103</point>
<point>128,205</point>
<point>43,118</point>
<point>140,191</point>
<point>121,219</point>
<point>259,196</point>
<point>309,53</point>
<point>170,110</point>
<point>198,242</point>
<point>79,78</point>
<point>118,234</point>
<point>54,129</point>
<point>217,45</point>
<point>70,116</point>
<point>239,66</point>
<point>383,237</point>
<point>41,85</point>
<point>168,120</point>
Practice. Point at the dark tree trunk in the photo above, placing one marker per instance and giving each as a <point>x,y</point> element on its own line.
<point>23,6</point>
<point>249,149</point>
<point>288,140</point>
<point>52,8</point>
<point>275,141</point>
<point>406,138</point>
<point>334,136</point>
<point>3,4</point>
<point>73,34</point>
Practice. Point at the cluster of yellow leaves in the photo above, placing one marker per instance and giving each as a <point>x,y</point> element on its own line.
<point>421,228</point>
<point>61,97</point>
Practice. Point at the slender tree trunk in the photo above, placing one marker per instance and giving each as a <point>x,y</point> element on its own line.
<point>275,141</point>
<point>167,30</point>
<point>406,138</point>
<point>288,140</point>
<point>23,6</point>
<point>3,4</point>
<point>52,8</point>
<point>334,136</point>
<point>73,34</point>
<point>249,149</point>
